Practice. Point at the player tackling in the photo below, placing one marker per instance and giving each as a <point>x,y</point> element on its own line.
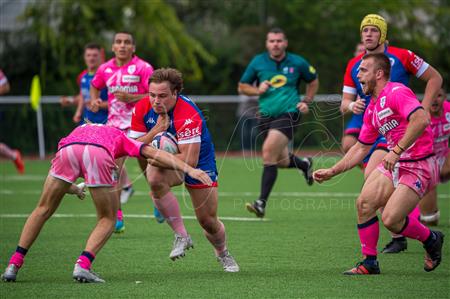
<point>405,174</point>
<point>89,151</point>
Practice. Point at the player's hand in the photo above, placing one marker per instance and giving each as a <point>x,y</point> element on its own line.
<point>358,106</point>
<point>264,86</point>
<point>66,101</point>
<point>303,107</point>
<point>163,122</point>
<point>201,176</point>
<point>94,105</point>
<point>322,175</point>
<point>389,160</point>
<point>122,96</point>
<point>76,117</point>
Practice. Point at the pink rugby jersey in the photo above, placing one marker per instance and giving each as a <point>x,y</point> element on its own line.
<point>113,140</point>
<point>132,78</point>
<point>389,116</point>
<point>441,130</point>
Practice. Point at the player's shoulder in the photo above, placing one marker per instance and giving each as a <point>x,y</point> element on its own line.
<point>296,58</point>
<point>106,65</point>
<point>141,62</point>
<point>355,61</point>
<point>185,107</point>
<point>399,52</point>
<point>260,58</point>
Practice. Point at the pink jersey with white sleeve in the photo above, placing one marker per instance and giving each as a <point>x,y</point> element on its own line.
<point>113,140</point>
<point>441,130</point>
<point>132,78</point>
<point>389,116</point>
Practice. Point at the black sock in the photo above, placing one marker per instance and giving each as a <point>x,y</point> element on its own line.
<point>88,255</point>
<point>268,179</point>
<point>430,240</point>
<point>296,162</point>
<point>21,250</point>
<point>370,260</point>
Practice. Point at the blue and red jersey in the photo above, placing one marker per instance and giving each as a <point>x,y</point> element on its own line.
<point>186,123</point>
<point>403,64</point>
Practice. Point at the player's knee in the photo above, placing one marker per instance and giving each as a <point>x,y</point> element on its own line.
<point>208,223</point>
<point>390,221</point>
<point>364,206</point>
<point>269,155</point>
<point>43,211</point>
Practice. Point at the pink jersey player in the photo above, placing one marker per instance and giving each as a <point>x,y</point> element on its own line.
<point>440,126</point>
<point>389,116</point>
<point>91,150</point>
<point>130,78</point>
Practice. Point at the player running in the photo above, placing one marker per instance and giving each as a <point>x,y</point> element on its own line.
<point>440,125</point>
<point>90,152</point>
<point>405,174</point>
<point>167,110</point>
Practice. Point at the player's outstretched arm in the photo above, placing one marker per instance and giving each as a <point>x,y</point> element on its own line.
<point>352,158</point>
<point>167,160</point>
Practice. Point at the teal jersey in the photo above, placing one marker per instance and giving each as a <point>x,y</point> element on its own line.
<point>285,76</point>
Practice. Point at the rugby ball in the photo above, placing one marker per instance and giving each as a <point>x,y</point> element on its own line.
<point>165,141</point>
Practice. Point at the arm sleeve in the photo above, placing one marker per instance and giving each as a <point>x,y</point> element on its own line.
<point>98,81</point>
<point>189,128</point>
<point>415,64</point>
<point>138,127</point>
<point>307,71</point>
<point>349,84</point>
<point>128,147</point>
<point>250,74</point>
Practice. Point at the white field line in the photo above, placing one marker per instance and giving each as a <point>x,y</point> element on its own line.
<point>130,216</point>
<point>234,194</point>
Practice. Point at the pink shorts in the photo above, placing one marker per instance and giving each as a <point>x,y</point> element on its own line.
<point>91,162</point>
<point>420,176</point>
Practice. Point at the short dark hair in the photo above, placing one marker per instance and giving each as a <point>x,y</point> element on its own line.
<point>173,76</point>
<point>92,46</point>
<point>277,30</point>
<point>381,62</point>
<point>124,32</point>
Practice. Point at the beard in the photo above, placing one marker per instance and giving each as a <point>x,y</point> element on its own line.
<point>369,87</point>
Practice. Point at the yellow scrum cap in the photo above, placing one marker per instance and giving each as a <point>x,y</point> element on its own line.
<point>377,21</point>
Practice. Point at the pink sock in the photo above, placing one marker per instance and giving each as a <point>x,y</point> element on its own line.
<point>169,208</point>
<point>415,213</point>
<point>218,240</point>
<point>119,215</point>
<point>84,262</point>
<point>369,233</point>
<point>17,259</point>
<point>415,230</point>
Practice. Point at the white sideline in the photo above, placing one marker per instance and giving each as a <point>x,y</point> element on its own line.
<point>129,216</point>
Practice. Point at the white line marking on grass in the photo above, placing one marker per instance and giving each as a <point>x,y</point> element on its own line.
<point>236,194</point>
<point>246,219</point>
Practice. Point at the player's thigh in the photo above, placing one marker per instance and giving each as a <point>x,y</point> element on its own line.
<point>105,200</point>
<point>348,141</point>
<point>445,169</point>
<point>375,192</point>
<point>205,202</point>
<point>53,191</point>
<point>275,143</point>
<point>402,201</point>
<point>160,176</point>
<point>428,203</point>
<point>374,160</point>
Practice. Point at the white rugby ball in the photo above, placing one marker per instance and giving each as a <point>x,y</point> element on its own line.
<point>165,141</point>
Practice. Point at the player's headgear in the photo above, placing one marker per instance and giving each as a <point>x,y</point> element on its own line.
<point>377,21</point>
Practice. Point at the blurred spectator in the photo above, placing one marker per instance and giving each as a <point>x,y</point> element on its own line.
<point>93,58</point>
<point>5,151</point>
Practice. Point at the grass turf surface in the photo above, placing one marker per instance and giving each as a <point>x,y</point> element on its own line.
<point>309,238</point>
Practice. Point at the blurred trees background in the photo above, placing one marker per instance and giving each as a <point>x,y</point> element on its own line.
<point>211,42</point>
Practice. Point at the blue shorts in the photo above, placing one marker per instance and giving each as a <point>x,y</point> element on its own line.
<point>210,169</point>
<point>380,144</point>
<point>354,125</point>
